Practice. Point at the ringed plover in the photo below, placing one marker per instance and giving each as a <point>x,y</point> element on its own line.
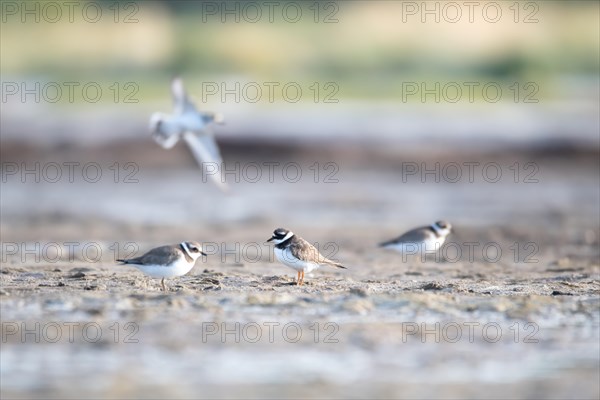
<point>426,239</point>
<point>298,254</point>
<point>168,261</point>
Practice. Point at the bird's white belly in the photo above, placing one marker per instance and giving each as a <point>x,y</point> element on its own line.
<point>429,246</point>
<point>179,268</point>
<point>286,257</point>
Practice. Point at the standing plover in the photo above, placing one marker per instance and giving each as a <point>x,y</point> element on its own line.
<point>168,261</point>
<point>424,240</point>
<point>193,125</point>
<point>298,254</point>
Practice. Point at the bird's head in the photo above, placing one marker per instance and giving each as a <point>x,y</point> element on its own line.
<point>280,235</point>
<point>193,249</point>
<point>442,227</point>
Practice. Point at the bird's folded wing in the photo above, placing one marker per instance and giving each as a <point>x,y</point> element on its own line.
<point>414,236</point>
<point>206,152</point>
<point>305,251</point>
<point>160,255</point>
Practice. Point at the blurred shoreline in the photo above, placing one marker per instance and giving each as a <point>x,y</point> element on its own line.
<point>388,130</point>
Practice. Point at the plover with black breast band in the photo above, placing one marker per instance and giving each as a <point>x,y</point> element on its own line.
<point>298,254</point>
<point>167,261</point>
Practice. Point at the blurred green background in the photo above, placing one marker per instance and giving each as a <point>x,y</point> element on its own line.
<point>368,52</point>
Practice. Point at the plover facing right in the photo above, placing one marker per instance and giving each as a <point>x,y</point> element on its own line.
<point>168,261</point>
<point>423,240</point>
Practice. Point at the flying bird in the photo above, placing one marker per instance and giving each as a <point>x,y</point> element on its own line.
<point>194,127</point>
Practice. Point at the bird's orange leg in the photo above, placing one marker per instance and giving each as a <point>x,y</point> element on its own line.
<point>298,279</point>
<point>301,278</point>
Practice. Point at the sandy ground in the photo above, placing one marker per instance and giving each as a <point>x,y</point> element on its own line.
<point>525,324</point>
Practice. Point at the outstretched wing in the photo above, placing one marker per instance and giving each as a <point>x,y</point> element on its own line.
<point>206,152</point>
<point>181,101</point>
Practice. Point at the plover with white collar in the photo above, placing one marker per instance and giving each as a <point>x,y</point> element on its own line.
<point>422,240</point>
<point>298,254</point>
<point>168,261</point>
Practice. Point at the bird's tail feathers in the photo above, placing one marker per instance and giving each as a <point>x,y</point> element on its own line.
<point>335,264</point>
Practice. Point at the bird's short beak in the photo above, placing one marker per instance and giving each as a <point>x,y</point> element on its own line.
<point>270,239</point>
<point>203,253</point>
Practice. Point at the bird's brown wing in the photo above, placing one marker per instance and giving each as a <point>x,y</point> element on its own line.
<point>305,251</point>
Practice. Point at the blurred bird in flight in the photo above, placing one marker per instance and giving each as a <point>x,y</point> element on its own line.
<point>193,126</point>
